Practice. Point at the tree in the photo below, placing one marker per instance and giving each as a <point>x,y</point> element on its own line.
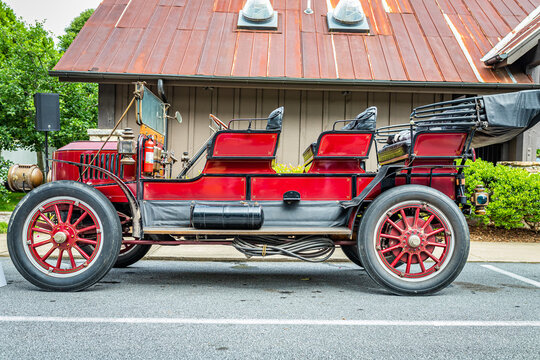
<point>74,28</point>
<point>27,53</point>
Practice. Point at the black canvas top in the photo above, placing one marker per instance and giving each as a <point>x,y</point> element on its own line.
<point>508,115</point>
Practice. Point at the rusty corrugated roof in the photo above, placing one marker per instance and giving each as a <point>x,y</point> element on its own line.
<point>519,41</point>
<point>410,40</point>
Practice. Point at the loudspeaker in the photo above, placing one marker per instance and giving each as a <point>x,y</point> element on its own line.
<point>47,112</point>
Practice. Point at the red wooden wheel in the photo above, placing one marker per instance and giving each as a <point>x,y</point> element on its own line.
<point>65,236</point>
<point>56,233</point>
<point>413,240</point>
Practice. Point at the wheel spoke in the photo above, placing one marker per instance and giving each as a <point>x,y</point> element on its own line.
<point>43,231</point>
<point>404,217</point>
<point>390,236</point>
<point>42,243</point>
<point>436,244</point>
<point>85,255</point>
<point>47,220</point>
<point>393,264</point>
<point>384,251</point>
<point>43,224</point>
<point>70,212</point>
<point>59,261</point>
<point>435,232</point>
<point>409,261</point>
<point>57,212</point>
<point>416,216</point>
<point>421,263</point>
<point>432,256</point>
<point>44,258</point>
<point>86,241</point>
<point>428,221</point>
<point>86,229</point>
<point>395,226</point>
<point>71,259</point>
<point>81,218</point>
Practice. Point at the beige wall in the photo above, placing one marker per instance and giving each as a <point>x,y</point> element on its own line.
<point>307,113</point>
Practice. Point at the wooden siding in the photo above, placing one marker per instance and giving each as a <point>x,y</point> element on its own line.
<point>307,113</point>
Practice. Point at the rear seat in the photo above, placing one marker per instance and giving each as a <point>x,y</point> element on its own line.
<point>343,150</point>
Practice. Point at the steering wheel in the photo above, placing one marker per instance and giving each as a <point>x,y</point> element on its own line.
<point>218,122</point>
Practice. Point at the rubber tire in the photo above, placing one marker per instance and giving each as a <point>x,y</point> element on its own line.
<point>111,242</point>
<point>351,252</point>
<point>136,253</point>
<point>366,241</point>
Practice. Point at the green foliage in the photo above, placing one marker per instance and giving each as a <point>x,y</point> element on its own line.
<point>288,169</point>
<point>4,167</point>
<point>3,227</point>
<point>11,200</point>
<point>515,194</point>
<point>27,53</point>
<point>74,28</point>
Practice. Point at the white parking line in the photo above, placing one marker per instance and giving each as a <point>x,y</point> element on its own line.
<point>401,323</point>
<point>512,275</point>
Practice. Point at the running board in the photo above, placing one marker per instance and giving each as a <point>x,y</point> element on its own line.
<point>265,230</point>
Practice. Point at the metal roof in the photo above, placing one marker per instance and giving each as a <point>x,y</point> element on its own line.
<point>417,41</point>
<point>517,43</point>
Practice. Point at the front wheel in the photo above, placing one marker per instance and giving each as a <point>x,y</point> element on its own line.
<point>51,226</point>
<point>413,240</point>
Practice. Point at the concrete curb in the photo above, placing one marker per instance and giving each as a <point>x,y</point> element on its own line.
<point>4,216</point>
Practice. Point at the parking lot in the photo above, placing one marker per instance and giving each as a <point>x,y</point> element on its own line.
<point>167,309</point>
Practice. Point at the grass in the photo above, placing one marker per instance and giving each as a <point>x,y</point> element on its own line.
<point>13,200</point>
<point>3,227</point>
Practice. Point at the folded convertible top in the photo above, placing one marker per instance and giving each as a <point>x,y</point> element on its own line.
<point>508,115</point>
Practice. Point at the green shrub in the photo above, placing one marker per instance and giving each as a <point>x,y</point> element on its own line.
<point>288,169</point>
<point>514,194</point>
<point>4,167</point>
<point>11,200</point>
<point>3,227</point>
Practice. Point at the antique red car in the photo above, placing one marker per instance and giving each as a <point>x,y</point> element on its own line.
<point>109,202</point>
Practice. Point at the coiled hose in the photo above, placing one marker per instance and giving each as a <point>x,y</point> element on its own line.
<point>307,248</point>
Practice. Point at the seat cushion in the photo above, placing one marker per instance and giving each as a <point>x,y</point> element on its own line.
<point>275,120</point>
<point>366,120</point>
<point>394,152</point>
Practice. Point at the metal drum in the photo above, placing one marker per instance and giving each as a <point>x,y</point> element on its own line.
<point>234,216</point>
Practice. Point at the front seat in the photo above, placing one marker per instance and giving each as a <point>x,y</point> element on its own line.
<point>275,120</point>
<point>366,120</point>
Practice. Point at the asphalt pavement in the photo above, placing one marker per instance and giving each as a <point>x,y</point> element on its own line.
<point>271,310</point>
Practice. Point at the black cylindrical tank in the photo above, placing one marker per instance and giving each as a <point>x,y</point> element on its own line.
<point>243,216</point>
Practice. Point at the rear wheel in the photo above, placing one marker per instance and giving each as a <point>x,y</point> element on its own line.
<point>51,226</point>
<point>351,252</point>
<point>413,240</point>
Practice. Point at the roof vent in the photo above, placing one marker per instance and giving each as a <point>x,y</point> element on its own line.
<point>348,16</point>
<point>258,15</point>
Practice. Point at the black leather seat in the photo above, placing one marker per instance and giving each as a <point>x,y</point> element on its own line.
<point>275,120</point>
<point>366,120</point>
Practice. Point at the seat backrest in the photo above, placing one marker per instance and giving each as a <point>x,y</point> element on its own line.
<point>275,120</point>
<point>366,120</point>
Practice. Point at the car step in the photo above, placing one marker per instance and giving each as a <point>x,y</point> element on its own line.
<point>265,230</point>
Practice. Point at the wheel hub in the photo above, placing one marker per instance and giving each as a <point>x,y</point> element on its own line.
<point>414,241</point>
<point>60,237</point>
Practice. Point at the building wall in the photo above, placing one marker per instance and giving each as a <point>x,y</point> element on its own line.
<point>307,113</point>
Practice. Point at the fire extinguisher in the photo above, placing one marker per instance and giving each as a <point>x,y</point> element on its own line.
<point>148,166</point>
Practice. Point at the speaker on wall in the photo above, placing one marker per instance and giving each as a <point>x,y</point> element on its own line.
<point>47,112</point>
